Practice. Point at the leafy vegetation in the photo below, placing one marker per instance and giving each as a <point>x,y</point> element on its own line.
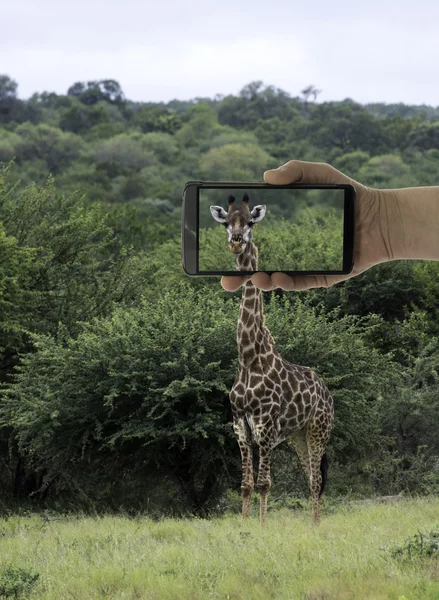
<point>115,367</point>
<point>418,546</point>
<point>16,582</point>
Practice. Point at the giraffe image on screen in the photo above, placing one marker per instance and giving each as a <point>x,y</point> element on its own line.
<point>272,400</point>
<point>301,230</point>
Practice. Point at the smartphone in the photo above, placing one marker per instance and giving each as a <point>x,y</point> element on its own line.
<point>297,229</point>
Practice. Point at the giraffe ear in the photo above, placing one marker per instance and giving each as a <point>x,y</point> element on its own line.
<point>218,213</point>
<point>258,213</point>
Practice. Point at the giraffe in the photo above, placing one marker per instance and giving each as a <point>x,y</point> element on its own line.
<point>272,400</point>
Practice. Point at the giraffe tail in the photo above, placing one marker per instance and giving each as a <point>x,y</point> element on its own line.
<point>324,472</point>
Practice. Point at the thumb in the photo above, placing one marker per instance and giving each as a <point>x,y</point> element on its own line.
<point>299,171</point>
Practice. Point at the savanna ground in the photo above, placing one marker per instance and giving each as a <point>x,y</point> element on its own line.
<point>348,557</point>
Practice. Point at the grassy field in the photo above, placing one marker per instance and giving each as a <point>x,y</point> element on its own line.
<point>138,558</point>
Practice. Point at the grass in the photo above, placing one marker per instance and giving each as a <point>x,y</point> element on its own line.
<point>112,557</point>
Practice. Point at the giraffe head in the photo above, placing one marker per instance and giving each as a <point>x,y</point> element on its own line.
<point>238,222</point>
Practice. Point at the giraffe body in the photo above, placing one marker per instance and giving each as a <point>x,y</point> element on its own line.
<point>272,400</point>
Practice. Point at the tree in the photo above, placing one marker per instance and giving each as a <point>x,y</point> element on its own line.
<point>125,151</point>
<point>162,145</point>
<point>8,144</point>
<point>11,108</point>
<point>57,148</point>
<point>235,162</point>
<point>8,89</point>
<point>151,119</point>
<point>92,92</point>
<point>310,90</point>
<point>80,118</point>
<point>158,402</point>
<point>255,102</point>
<point>425,136</point>
<point>78,267</point>
<point>398,132</point>
<point>386,171</point>
<point>346,125</point>
<point>351,162</point>
<point>16,274</point>
<point>390,290</point>
<point>201,124</point>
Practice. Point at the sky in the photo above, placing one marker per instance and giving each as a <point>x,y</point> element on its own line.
<point>370,51</point>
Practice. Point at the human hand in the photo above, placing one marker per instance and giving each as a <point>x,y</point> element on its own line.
<point>372,240</point>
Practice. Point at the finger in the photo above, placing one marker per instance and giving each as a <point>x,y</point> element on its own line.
<point>299,171</point>
<point>231,284</point>
<point>262,281</point>
<point>305,282</point>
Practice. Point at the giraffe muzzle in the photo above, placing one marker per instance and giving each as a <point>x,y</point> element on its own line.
<point>237,244</point>
<point>236,247</point>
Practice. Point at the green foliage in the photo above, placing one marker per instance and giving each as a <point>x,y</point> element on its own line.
<point>201,124</point>
<point>150,119</point>
<point>255,102</point>
<point>424,165</point>
<point>16,582</point>
<point>15,277</point>
<point>398,130</point>
<point>427,276</point>
<point>282,139</point>
<point>8,88</point>
<point>228,135</point>
<point>71,265</point>
<point>235,162</point>
<point>83,119</point>
<point>405,111</point>
<point>8,143</point>
<point>421,545</point>
<point>386,171</point>
<point>162,145</point>
<point>352,162</point>
<point>11,108</point>
<point>92,92</point>
<point>133,386</point>
<point>346,125</point>
<point>124,151</point>
<point>57,148</point>
<point>425,137</point>
<point>389,289</point>
<point>357,375</point>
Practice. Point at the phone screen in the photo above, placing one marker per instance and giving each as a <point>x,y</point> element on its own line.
<point>301,229</point>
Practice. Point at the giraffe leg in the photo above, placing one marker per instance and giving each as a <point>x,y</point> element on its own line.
<point>263,485</point>
<point>245,445</point>
<point>264,479</point>
<point>315,482</point>
<point>301,447</point>
<point>316,437</point>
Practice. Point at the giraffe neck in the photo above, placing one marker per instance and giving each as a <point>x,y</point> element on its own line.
<point>253,336</point>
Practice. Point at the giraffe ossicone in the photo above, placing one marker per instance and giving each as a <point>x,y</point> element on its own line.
<point>272,400</point>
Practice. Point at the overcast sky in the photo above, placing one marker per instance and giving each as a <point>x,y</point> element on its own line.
<point>370,51</point>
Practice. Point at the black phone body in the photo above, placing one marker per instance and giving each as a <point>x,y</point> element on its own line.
<point>314,225</point>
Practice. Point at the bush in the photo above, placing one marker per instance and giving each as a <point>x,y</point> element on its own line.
<point>421,545</point>
<point>16,582</point>
<point>124,151</point>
